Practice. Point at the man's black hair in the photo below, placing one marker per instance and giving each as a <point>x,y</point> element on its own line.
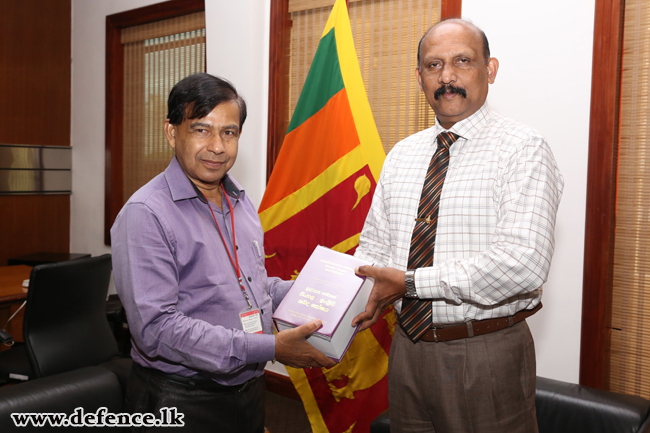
<point>486,44</point>
<point>196,95</point>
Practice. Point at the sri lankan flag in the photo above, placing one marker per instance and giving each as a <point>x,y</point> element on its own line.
<point>319,193</point>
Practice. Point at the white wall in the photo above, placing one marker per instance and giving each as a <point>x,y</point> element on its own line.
<point>544,81</point>
<point>237,40</point>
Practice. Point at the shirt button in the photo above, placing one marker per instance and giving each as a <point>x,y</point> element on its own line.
<point>236,247</point>
<point>250,279</point>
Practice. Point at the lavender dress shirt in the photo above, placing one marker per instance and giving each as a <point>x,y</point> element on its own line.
<point>179,288</point>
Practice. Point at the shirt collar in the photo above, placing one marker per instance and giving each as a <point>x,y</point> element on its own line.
<point>468,128</point>
<point>182,188</point>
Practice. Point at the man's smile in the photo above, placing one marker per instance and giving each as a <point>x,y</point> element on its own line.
<point>213,164</point>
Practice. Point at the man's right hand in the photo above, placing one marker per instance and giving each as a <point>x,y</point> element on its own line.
<point>389,287</point>
<point>292,348</point>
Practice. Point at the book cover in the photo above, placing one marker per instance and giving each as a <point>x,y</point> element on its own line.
<point>327,289</point>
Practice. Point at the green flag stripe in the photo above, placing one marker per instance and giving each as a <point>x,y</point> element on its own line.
<point>323,81</point>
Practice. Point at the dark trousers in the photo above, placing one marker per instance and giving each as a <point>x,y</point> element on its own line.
<point>484,384</point>
<point>226,410</point>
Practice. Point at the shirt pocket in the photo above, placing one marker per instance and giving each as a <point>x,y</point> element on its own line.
<point>258,253</point>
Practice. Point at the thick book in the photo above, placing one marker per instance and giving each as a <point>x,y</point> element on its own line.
<point>327,289</point>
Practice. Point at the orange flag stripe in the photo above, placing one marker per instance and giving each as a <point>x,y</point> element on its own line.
<point>310,149</point>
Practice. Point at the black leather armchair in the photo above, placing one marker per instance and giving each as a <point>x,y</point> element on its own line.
<point>65,325</point>
<point>89,388</point>
<point>569,408</point>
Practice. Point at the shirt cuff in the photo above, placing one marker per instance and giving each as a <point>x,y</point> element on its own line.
<point>261,348</point>
<point>427,284</point>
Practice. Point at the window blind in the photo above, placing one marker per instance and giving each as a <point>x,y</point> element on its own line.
<point>630,353</point>
<point>386,34</point>
<point>156,56</point>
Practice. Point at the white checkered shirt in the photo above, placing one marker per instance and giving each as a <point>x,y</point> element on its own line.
<point>494,240</point>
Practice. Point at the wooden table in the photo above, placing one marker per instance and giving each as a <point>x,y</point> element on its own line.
<point>11,283</point>
<point>43,258</point>
<point>12,293</point>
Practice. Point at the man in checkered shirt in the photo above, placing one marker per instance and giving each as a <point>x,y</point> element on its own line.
<point>472,366</point>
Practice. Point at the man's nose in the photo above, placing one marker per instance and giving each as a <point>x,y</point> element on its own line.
<point>447,74</point>
<point>216,145</point>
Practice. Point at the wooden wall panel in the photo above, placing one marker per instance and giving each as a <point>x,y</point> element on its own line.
<point>35,72</point>
<point>35,56</point>
<point>33,223</point>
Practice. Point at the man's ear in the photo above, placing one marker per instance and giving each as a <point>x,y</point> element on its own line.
<point>170,133</point>
<point>418,77</point>
<point>493,68</point>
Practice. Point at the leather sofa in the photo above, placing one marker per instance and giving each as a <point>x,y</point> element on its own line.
<point>90,388</point>
<point>569,408</point>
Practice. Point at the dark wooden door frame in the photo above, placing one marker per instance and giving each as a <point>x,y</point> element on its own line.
<point>278,68</point>
<point>113,187</point>
<point>601,194</point>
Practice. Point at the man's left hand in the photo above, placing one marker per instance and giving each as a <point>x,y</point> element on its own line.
<point>389,287</point>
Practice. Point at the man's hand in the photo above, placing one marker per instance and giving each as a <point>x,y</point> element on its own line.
<point>292,348</point>
<point>389,287</point>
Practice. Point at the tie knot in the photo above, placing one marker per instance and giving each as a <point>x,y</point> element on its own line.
<point>446,139</point>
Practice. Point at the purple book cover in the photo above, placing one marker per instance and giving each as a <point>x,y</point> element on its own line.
<point>324,290</point>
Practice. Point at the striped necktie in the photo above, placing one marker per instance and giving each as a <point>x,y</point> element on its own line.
<point>415,317</point>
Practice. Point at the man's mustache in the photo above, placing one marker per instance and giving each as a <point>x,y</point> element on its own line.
<point>449,88</point>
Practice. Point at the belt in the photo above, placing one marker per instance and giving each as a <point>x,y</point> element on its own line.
<point>198,381</point>
<point>440,333</point>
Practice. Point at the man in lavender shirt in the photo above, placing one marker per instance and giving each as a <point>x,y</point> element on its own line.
<point>188,261</point>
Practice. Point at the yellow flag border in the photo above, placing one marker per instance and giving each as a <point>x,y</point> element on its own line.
<point>347,244</point>
<point>351,72</point>
<point>300,381</point>
<point>333,175</point>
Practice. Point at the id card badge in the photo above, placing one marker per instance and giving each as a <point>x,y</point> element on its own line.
<point>251,321</point>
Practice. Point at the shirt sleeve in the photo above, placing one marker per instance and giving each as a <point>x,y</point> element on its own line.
<point>527,196</point>
<point>374,242</point>
<point>278,289</point>
<point>147,280</point>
